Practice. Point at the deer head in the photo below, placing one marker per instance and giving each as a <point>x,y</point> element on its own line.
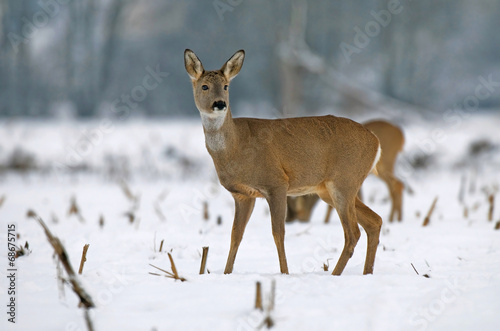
<point>211,88</point>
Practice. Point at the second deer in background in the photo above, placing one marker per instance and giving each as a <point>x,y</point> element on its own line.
<point>391,141</point>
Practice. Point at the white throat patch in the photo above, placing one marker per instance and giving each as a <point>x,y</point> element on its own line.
<point>214,120</point>
<point>214,139</point>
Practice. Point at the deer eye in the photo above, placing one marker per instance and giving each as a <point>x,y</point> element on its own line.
<point>204,87</point>
<point>225,87</point>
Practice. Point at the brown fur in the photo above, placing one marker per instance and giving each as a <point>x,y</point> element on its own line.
<point>272,159</point>
<point>391,141</point>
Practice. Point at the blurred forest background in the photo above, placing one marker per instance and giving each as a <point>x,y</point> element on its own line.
<point>88,58</point>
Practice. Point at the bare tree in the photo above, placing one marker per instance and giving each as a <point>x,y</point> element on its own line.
<point>90,46</point>
<point>292,71</point>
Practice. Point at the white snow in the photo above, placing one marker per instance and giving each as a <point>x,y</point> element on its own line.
<point>461,255</point>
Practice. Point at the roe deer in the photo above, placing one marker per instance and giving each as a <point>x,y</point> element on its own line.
<point>391,142</point>
<point>260,158</point>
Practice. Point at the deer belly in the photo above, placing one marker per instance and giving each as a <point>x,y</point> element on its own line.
<point>240,189</point>
<point>294,192</point>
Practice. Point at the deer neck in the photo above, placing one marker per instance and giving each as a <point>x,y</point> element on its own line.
<point>220,133</point>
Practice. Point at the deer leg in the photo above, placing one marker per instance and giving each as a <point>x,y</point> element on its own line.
<point>393,210</point>
<point>291,213</point>
<point>395,187</point>
<point>277,206</point>
<point>372,223</point>
<point>394,202</point>
<point>390,181</point>
<point>347,216</point>
<point>328,213</point>
<point>244,207</point>
<point>344,203</point>
<point>398,197</point>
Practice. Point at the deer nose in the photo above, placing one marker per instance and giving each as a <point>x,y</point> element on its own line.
<point>220,105</point>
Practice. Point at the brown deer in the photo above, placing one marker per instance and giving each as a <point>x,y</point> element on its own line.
<point>260,158</point>
<point>391,141</point>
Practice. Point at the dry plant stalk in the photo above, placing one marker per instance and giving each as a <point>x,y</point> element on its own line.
<point>84,258</point>
<point>491,200</point>
<point>134,199</point>
<point>127,192</point>
<point>172,266</point>
<point>415,269</point>
<point>2,200</point>
<point>22,250</point>
<point>427,218</point>
<point>258,296</point>
<point>326,265</point>
<point>131,216</point>
<point>157,207</point>
<point>60,280</point>
<point>497,226</point>
<point>85,299</point>
<point>206,216</point>
<point>203,260</point>
<point>173,274</point>
<point>461,191</point>
<point>490,193</point>
<point>161,245</point>
<point>273,295</point>
<point>75,210</point>
<point>424,275</point>
<point>88,321</point>
<point>268,321</point>
<point>101,221</point>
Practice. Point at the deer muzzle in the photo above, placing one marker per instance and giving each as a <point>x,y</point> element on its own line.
<point>219,105</point>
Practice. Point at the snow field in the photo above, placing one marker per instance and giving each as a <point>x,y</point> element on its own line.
<point>460,255</point>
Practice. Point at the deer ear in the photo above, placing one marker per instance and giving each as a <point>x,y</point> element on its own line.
<point>233,66</point>
<point>193,65</point>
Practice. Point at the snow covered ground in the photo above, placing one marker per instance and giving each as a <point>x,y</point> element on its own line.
<point>167,168</point>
